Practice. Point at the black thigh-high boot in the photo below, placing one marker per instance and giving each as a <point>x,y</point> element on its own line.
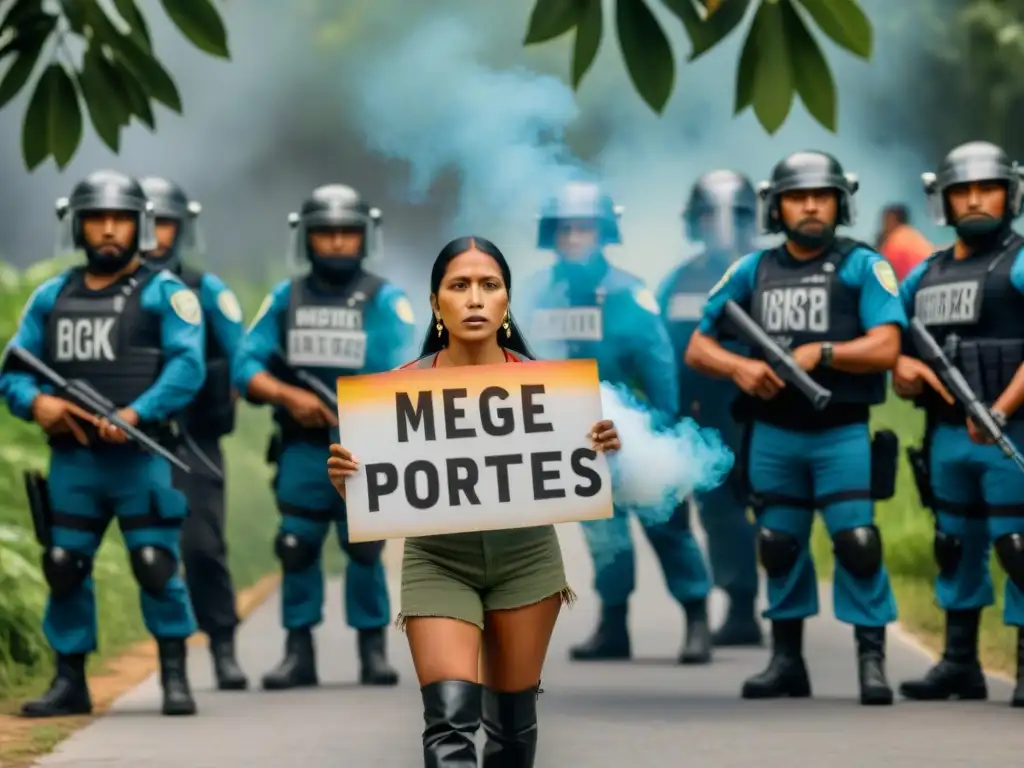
<point>451,718</point>
<point>510,722</point>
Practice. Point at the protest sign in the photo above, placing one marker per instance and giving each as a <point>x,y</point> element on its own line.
<point>449,450</point>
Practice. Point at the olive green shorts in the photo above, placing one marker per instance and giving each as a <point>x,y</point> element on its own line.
<point>464,575</point>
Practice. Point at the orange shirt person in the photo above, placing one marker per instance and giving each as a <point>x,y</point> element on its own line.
<point>902,245</point>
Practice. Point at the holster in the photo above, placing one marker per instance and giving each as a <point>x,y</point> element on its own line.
<point>919,459</point>
<point>885,456</point>
<point>38,494</point>
<point>739,475</point>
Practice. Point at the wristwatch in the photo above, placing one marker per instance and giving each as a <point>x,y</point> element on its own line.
<point>998,417</point>
<point>826,354</point>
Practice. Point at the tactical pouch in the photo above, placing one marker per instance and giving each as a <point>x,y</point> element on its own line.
<point>38,493</point>
<point>274,448</point>
<point>918,458</point>
<point>885,456</point>
<point>214,406</point>
<point>739,475</point>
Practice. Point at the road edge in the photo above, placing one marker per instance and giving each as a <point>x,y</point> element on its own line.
<point>121,674</point>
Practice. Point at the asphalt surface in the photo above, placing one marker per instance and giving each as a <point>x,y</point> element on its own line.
<point>649,712</point>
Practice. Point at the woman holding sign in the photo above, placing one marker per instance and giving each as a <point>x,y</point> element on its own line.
<point>455,600</point>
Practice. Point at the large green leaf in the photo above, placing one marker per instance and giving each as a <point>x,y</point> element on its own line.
<point>200,22</point>
<point>149,72</point>
<point>53,120</point>
<point>129,11</point>
<point>588,39</point>
<point>552,18</point>
<point>107,108</point>
<point>646,51</point>
<point>746,71</point>
<point>707,29</point>
<point>773,76</point>
<point>845,22</point>
<point>135,94</point>
<point>811,74</point>
<point>26,51</point>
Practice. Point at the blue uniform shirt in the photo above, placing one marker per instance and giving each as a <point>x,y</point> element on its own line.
<point>863,269</point>
<point>183,337</point>
<point>222,310</point>
<point>388,321</point>
<point>908,289</point>
<point>626,334</point>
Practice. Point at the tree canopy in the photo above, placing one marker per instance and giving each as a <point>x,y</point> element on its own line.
<point>97,57</point>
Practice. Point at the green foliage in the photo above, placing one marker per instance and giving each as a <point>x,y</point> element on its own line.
<point>117,77</point>
<point>780,58</point>
<point>252,518</point>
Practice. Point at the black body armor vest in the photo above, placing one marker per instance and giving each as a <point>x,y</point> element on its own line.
<point>105,337</point>
<point>976,315</point>
<point>323,330</point>
<point>799,303</point>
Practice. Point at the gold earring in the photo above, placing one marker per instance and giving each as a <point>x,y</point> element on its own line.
<point>440,328</point>
<point>507,326</point>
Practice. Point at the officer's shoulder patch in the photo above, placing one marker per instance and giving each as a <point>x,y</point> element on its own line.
<point>645,299</point>
<point>228,304</point>
<point>268,302</point>
<point>886,276</point>
<point>724,278</point>
<point>185,304</point>
<point>404,311</point>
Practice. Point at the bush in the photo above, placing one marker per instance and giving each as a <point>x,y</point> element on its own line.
<point>24,655</point>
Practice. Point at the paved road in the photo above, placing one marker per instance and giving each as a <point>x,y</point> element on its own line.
<point>647,713</point>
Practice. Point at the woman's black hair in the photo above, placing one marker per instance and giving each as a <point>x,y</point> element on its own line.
<point>433,343</point>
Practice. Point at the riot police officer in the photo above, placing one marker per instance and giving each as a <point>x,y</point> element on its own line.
<point>210,417</point>
<point>135,335</point>
<point>720,215</point>
<point>583,307</point>
<point>969,297</point>
<point>835,303</point>
<point>370,330</point>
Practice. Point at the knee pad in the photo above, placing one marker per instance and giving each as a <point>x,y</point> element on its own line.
<point>1010,551</point>
<point>294,554</point>
<point>65,570</point>
<point>948,550</point>
<point>365,553</point>
<point>859,550</point>
<point>778,552</point>
<point>153,568</point>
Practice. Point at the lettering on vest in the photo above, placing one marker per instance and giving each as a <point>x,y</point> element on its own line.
<point>327,337</point>
<point>795,309</point>
<point>85,339</point>
<point>949,303</point>
<point>686,306</point>
<point>575,324</point>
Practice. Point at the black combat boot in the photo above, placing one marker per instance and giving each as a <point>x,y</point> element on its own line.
<point>298,667</point>
<point>226,669</point>
<point>786,673</point>
<point>958,674</point>
<point>874,687</point>
<point>697,646</point>
<point>451,718</point>
<point>1018,692</point>
<point>68,693</point>
<point>741,627</point>
<point>373,659</point>
<point>510,722</point>
<point>610,640</point>
<point>174,678</point>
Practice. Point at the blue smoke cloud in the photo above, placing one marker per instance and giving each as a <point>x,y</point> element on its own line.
<point>431,103</point>
<point>501,130</point>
